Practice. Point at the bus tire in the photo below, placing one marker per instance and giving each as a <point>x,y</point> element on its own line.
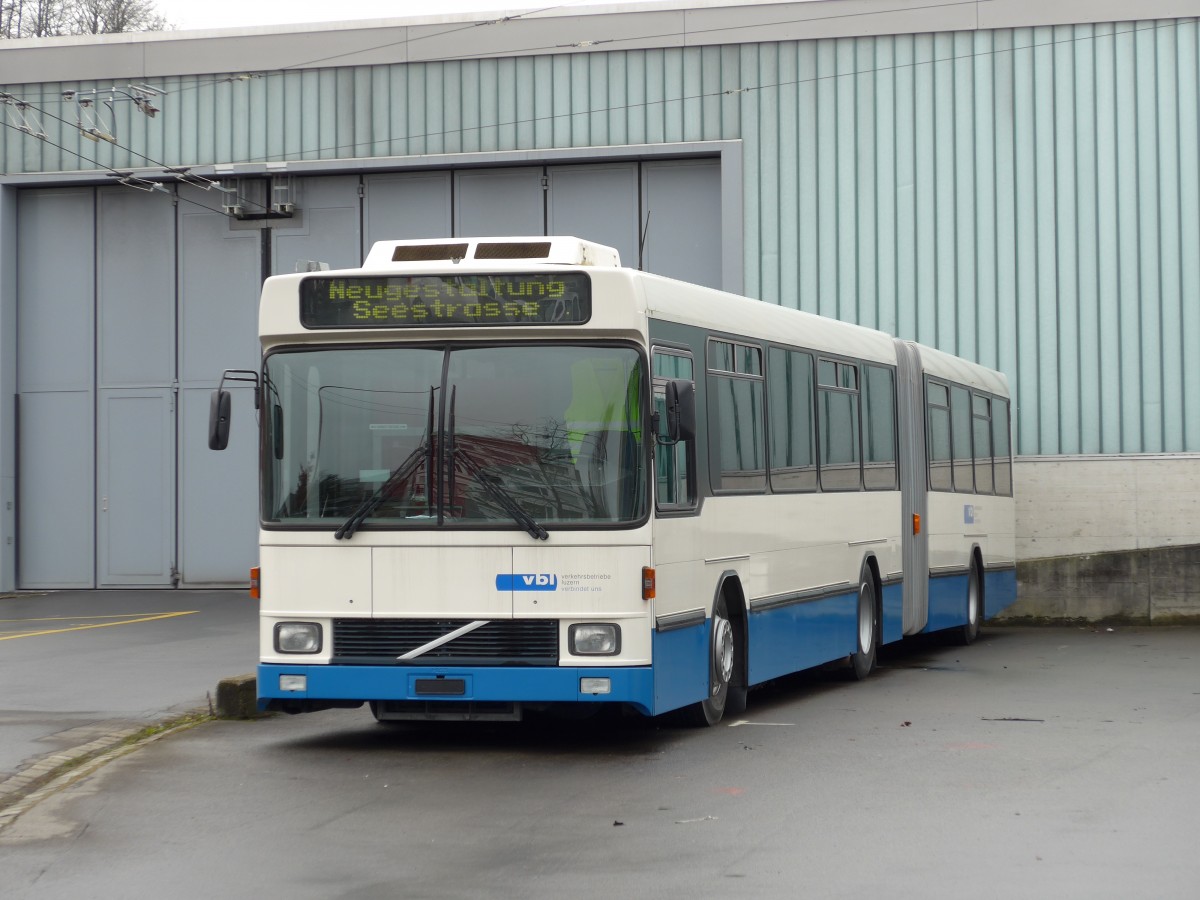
<point>862,660</point>
<point>723,653</point>
<point>966,634</point>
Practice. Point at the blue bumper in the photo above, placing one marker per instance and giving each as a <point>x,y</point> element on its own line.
<point>534,684</point>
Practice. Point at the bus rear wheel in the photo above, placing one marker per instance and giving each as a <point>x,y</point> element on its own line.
<point>862,660</point>
<point>723,660</point>
<point>967,633</point>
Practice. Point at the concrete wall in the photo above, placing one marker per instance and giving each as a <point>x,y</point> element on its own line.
<point>1114,537</point>
<point>1160,586</point>
<point>1072,505</point>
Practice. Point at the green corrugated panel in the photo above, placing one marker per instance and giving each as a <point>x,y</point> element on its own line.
<point>1025,198</point>
<point>1150,247</point>
<point>1188,79</point>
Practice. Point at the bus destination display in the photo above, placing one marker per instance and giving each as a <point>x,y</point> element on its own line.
<point>438,301</point>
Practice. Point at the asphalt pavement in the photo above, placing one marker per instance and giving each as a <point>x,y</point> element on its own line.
<point>1040,762</point>
<point>82,671</point>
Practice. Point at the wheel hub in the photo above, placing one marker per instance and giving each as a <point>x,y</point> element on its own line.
<point>866,621</point>
<point>722,653</point>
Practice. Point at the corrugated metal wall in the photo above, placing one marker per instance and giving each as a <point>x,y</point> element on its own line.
<point>1029,198</point>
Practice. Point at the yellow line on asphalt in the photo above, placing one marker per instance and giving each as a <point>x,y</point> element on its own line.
<point>74,618</point>
<point>170,615</point>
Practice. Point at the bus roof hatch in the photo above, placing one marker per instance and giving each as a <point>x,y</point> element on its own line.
<point>561,251</point>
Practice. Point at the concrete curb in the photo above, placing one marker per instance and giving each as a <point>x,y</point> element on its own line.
<point>237,698</point>
<point>28,788</point>
<point>51,773</point>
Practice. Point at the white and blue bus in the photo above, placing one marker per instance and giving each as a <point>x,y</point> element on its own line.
<point>501,475</point>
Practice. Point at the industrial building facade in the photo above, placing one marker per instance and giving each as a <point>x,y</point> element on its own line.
<point>1015,184</point>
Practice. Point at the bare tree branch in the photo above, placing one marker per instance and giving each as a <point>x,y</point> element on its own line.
<point>49,18</point>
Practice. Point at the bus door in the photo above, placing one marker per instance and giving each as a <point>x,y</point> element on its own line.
<point>913,486</point>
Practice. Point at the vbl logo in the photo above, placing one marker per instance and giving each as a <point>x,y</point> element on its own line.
<point>543,581</point>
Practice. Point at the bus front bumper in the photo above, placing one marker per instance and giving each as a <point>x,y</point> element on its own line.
<point>310,687</point>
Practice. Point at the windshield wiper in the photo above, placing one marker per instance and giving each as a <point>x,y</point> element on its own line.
<point>503,497</point>
<point>398,476</point>
<point>506,500</point>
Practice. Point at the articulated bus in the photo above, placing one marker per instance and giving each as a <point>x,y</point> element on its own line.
<point>501,475</point>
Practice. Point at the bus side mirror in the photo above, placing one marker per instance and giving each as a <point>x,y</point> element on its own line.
<point>681,410</point>
<point>218,420</point>
<point>218,408</point>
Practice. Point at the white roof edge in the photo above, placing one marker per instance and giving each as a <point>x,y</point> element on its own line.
<point>515,13</point>
<point>941,364</point>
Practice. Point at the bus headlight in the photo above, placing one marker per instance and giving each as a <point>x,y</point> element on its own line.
<point>594,639</point>
<point>297,637</point>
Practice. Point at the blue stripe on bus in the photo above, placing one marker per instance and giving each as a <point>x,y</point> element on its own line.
<point>948,597</point>
<point>1000,590</point>
<point>786,639</point>
<point>681,666</point>
<point>783,640</point>
<point>678,678</point>
<point>630,684</point>
<point>947,602</point>
<point>893,613</point>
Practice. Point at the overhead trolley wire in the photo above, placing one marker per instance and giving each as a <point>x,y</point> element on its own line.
<point>181,173</point>
<point>407,40</point>
<point>583,44</point>
<point>110,169</point>
<point>422,37</point>
<point>587,44</point>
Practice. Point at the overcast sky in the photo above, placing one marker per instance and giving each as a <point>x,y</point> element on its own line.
<point>194,14</point>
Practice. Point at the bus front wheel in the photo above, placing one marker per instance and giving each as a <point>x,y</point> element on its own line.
<point>862,660</point>
<point>723,660</point>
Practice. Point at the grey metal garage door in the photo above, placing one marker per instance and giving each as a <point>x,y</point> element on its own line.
<point>131,304</point>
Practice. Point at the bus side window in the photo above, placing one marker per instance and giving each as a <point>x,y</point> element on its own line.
<point>960,438</point>
<point>737,437</point>
<point>790,393</point>
<point>673,463</point>
<point>981,414</point>
<point>840,450</point>
<point>937,401</point>
<point>1001,447</point>
<point>879,429</point>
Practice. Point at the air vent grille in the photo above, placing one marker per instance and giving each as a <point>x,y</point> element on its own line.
<point>427,252</point>
<point>539,250</point>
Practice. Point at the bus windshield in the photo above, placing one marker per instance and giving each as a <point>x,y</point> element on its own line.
<point>523,437</point>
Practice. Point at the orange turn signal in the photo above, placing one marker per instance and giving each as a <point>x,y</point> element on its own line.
<point>255,594</point>
<point>916,523</point>
<point>647,583</point>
